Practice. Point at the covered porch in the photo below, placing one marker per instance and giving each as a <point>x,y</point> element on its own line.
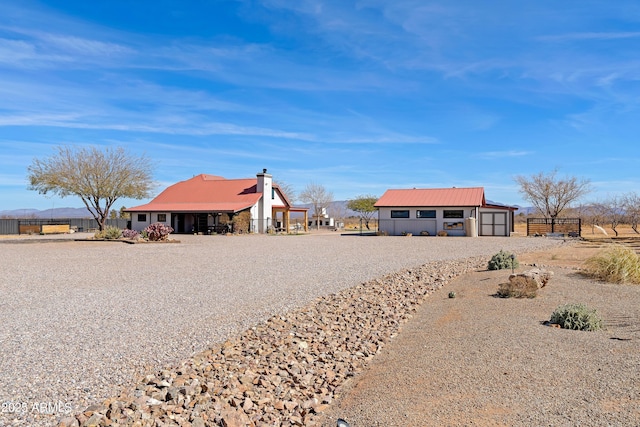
<point>201,222</point>
<point>282,219</point>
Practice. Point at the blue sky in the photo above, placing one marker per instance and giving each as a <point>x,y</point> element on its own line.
<point>359,96</point>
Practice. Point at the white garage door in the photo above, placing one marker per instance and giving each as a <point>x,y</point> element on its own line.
<point>493,224</point>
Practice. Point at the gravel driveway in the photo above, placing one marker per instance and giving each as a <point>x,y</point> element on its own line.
<point>79,320</point>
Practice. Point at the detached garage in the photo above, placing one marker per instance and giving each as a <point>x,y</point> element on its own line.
<point>458,211</point>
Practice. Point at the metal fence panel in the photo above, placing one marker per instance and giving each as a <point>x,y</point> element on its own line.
<point>9,226</point>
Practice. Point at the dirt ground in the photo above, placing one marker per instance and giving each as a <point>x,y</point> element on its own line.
<point>448,366</point>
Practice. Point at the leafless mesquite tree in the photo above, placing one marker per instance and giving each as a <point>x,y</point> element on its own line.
<point>319,197</point>
<point>98,177</point>
<point>594,214</point>
<point>551,195</point>
<point>631,204</point>
<point>615,213</point>
<point>287,190</point>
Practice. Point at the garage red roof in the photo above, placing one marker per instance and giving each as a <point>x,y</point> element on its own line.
<point>435,197</point>
<point>204,193</point>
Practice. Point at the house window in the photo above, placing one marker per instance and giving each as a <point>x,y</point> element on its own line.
<point>453,213</point>
<point>454,225</point>
<point>400,214</point>
<point>142,217</point>
<point>162,217</point>
<point>426,214</point>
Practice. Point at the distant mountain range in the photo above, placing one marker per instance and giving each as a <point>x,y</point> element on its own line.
<point>47,213</point>
<point>337,208</point>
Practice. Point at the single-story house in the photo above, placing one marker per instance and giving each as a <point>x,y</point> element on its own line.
<point>205,203</point>
<point>458,211</point>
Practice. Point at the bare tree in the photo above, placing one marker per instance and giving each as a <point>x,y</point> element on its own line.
<point>549,194</point>
<point>631,205</point>
<point>364,205</point>
<point>594,214</point>
<point>287,190</point>
<point>98,177</point>
<point>319,197</point>
<point>614,212</point>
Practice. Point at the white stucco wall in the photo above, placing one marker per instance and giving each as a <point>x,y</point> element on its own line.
<point>415,225</point>
<point>151,218</point>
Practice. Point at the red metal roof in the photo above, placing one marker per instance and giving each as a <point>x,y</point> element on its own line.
<point>205,193</point>
<point>434,197</point>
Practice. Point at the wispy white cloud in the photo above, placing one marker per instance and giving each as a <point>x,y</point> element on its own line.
<point>28,48</point>
<point>504,154</point>
<point>203,129</point>
<point>588,36</point>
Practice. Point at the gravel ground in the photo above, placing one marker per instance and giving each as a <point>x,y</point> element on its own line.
<point>478,360</point>
<point>80,320</point>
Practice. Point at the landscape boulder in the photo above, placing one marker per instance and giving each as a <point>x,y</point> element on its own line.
<point>539,276</point>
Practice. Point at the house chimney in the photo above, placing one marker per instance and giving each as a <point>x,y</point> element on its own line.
<point>264,185</point>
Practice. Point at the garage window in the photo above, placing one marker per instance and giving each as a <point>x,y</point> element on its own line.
<point>400,214</point>
<point>426,214</point>
<point>457,213</point>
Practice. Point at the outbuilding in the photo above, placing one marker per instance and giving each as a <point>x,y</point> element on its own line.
<point>457,211</point>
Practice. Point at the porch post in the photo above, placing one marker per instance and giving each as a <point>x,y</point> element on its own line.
<point>285,220</point>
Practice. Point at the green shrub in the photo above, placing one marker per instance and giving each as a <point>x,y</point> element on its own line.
<point>502,260</point>
<point>108,233</point>
<point>577,317</point>
<point>112,233</point>
<point>618,264</point>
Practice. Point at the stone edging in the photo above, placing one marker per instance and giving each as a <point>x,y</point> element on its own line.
<point>285,371</point>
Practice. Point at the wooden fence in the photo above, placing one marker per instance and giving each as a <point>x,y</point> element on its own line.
<point>543,226</point>
<point>54,225</point>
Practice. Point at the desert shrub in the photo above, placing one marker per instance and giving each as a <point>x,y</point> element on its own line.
<point>442,233</point>
<point>130,234</point>
<point>618,264</point>
<point>382,233</point>
<point>109,233</point>
<point>518,287</point>
<point>577,317</point>
<point>502,260</point>
<point>241,222</point>
<point>158,231</point>
<point>112,233</point>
